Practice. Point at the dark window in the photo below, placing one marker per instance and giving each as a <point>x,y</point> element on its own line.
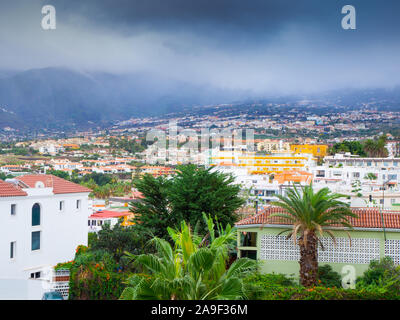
<point>248,239</point>
<point>36,215</point>
<point>78,204</point>
<point>12,249</point>
<point>35,240</point>
<point>251,254</point>
<point>13,209</point>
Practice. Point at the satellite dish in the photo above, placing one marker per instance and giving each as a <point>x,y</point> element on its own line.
<point>39,184</point>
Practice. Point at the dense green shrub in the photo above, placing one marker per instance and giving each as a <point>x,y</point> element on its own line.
<point>94,275</point>
<point>271,286</point>
<point>328,278</point>
<point>382,275</point>
<point>322,293</point>
<point>378,272</point>
<point>117,240</point>
<point>281,287</point>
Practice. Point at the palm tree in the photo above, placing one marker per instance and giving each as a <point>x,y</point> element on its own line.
<point>195,269</point>
<point>376,147</point>
<point>311,215</point>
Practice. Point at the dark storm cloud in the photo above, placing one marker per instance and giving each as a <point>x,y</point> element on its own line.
<point>260,45</point>
<point>230,17</point>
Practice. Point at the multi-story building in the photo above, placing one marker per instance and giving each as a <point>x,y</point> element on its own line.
<point>269,145</point>
<point>317,150</point>
<point>366,186</point>
<point>393,148</point>
<point>43,219</point>
<point>263,164</point>
<point>348,160</point>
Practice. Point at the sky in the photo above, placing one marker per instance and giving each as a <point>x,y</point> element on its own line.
<point>263,46</point>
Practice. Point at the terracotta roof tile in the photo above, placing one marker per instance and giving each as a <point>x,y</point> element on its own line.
<point>9,190</point>
<point>109,214</point>
<point>59,185</point>
<point>367,218</point>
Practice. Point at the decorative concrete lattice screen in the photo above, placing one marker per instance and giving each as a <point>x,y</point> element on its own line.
<point>61,282</point>
<point>361,250</point>
<point>392,249</point>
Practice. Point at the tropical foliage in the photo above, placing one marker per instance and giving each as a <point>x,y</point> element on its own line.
<point>194,268</point>
<point>281,287</point>
<point>381,275</point>
<point>368,148</point>
<point>327,277</point>
<point>185,197</point>
<point>116,240</point>
<point>376,147</point>
<point>354,147</point>
<point>311,214</point>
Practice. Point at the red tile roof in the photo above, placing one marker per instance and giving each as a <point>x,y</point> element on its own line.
<point>10,190</point>
<point>367,218</point>
<point>59,185</point>
<point>109,214</point>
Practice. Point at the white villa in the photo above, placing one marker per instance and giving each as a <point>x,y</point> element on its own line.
<point>43,219</point>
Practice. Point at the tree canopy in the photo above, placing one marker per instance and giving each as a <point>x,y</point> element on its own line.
<point>185,197</point>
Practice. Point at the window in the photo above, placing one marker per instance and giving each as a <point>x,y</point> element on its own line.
<point>13,209</point>
<point>61,205</point>
<point>321,173</point>
<point>13,246</point>
<point>78,204</point>
<point>88,222</point>
<point>251,254</point>
<point>35,240</point>
<point>248,239</point>
<point>36,215</point>
<point>35,275</point>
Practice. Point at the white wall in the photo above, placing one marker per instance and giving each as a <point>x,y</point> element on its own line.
<point>61,232</point>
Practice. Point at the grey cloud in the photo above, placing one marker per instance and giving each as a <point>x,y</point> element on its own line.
<point>257,45</point>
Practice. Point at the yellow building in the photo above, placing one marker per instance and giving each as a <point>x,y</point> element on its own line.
<point>71,146</point>
<point>263,164</point>
<point>317,150</point>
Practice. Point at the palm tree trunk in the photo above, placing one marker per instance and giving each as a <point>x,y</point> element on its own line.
<point>308,260</point>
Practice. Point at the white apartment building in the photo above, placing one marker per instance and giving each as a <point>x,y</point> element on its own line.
<point>366,182</point>
<point>393,148</point>
<point>43,219</point>
<point>51,149</point>
<point>376,185</point>
<point>269,145</point>
<point>255,187</point>
<point>348,160</point>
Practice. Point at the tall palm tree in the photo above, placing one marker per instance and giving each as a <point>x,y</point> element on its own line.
<point>195,269</point>
<point>311,215</point>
